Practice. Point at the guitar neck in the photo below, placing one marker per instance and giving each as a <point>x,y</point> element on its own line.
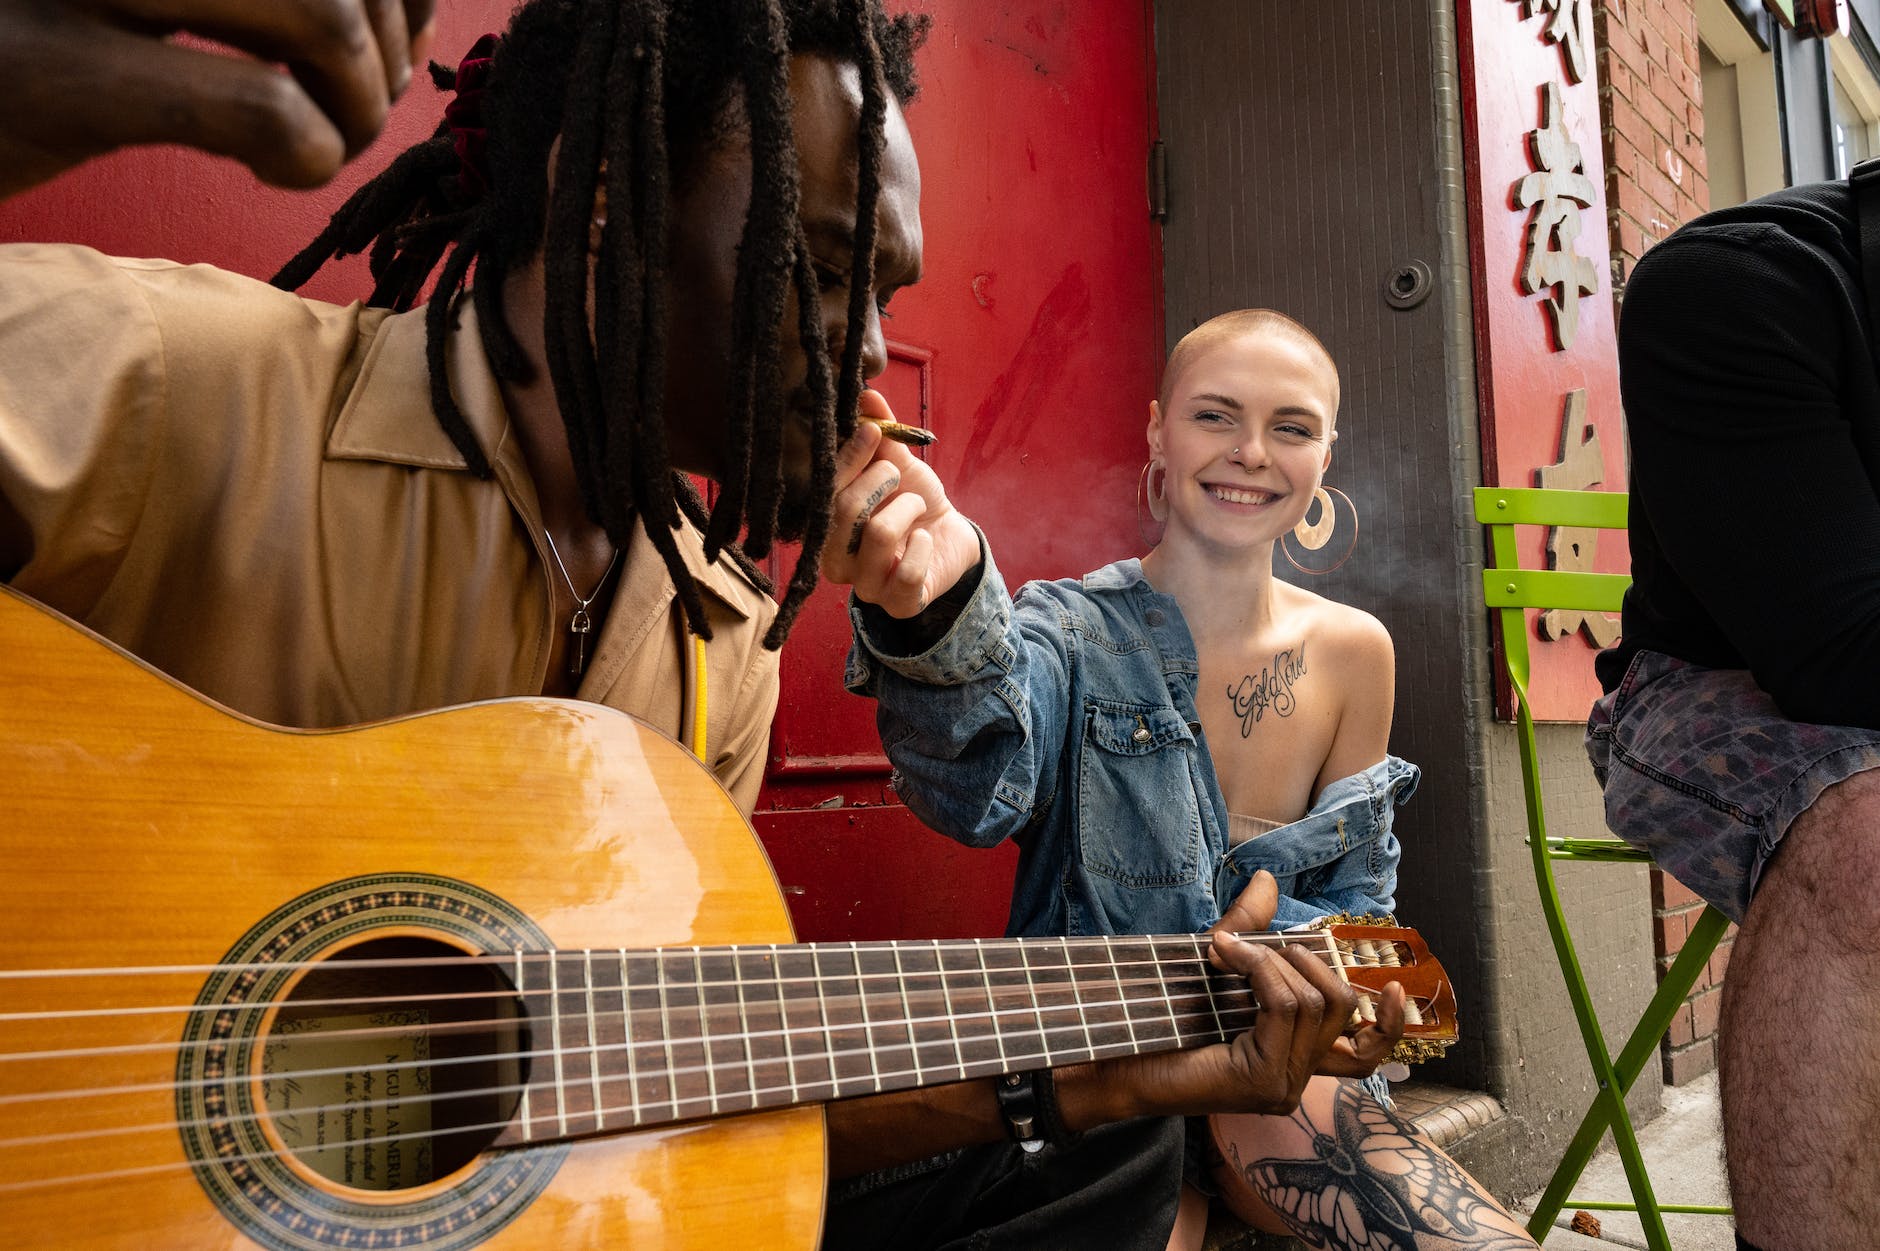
<point>624,1039</point>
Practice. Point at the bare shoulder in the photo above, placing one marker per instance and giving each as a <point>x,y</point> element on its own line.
<point>1339,632</point>
<point>1352,650</point>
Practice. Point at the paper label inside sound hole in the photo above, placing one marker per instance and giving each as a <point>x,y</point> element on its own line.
<point>349,1096</point>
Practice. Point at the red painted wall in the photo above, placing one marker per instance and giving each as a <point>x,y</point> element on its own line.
<point>1034,341</point>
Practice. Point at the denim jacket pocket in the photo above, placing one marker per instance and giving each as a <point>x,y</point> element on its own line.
<point>1139,818</point>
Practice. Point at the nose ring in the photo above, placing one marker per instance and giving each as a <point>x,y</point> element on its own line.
<point>1235,452</point>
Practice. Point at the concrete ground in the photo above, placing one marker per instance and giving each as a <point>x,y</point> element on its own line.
<point>1683,1150</point>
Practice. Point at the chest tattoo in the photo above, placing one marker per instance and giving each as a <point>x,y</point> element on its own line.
<point>1271,688</point>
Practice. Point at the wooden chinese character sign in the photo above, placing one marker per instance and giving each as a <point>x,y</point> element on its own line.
<point>1549,382</point>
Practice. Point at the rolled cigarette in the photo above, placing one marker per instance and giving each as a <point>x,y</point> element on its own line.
<point>912,436</point>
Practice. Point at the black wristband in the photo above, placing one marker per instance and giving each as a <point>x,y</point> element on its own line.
<point>1018,1104</point>
<point>919,634</point>
<point>1051,1125</point>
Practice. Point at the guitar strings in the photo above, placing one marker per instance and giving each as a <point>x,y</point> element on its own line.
<point>827,1057</point>
<point>918,1073</point>
<point>505,961</point>
<point>362,1002</point>
<point>1063,977</point>
<point>1034,978</point>
<point>698,1009</point>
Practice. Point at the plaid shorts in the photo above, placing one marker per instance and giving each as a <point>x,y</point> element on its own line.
<point>1703,773</point>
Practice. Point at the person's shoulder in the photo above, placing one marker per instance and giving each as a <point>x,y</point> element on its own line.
<point>1778,276</point>
<point>1325,615</point>
<point>1809,212</point>
<point>1077,595</point>
<point>1351,651</point>
<point>76,265</point>
<point>197,310</point>
<point>1338,630</point>
<point>1817,220</point>
<point>45,276</point>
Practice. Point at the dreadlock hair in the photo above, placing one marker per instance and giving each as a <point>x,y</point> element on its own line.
<point>638,91</point>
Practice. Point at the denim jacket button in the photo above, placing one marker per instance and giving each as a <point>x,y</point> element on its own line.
<point>1142,734</point>
<point>1153,617</point>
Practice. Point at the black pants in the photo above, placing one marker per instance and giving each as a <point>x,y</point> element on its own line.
<point>1117,1188</point>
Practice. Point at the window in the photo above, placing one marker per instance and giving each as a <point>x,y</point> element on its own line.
<point>1853,106</point>
<point>1853,134</point>
<point>1743,142</point>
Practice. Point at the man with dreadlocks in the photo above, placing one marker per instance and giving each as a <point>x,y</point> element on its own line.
<point>657,236</point>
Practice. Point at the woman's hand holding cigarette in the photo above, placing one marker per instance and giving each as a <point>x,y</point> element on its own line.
<point>894,536</point>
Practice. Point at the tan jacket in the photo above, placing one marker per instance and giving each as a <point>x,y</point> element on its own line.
<point>248,489</point>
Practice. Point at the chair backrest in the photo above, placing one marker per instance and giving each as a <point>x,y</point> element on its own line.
<point>1511,591</point>
<point>1509,588</point>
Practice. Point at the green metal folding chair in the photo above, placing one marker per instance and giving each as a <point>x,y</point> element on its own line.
<point>1512,590</point>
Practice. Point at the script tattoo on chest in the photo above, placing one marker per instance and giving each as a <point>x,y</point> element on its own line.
<point>1271,688</point>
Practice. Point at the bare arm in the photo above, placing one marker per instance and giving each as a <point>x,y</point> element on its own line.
<point>78,80</point>
<point>1366,665</point>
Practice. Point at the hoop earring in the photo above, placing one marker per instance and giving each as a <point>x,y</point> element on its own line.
<point>1315,535</point>
<point>1157,494</point>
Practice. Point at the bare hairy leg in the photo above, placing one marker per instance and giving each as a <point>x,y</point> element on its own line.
<point>1342,1172</point>
<point>1799,1057</point>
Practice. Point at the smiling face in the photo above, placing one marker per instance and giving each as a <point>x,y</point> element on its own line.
<point>707,225</point>
<point>1245,431</point>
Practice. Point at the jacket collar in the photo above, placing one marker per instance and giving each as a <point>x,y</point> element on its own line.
<point>1120,576</point>
<point>377,422</point>
<point>1158,612</point>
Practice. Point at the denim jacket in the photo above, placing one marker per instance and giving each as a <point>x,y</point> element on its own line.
<point>1065,720</point>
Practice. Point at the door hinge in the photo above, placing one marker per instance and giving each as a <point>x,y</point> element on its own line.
<point>1158,181</point>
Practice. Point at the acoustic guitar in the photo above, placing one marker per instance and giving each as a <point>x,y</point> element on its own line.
<point>515,973</point>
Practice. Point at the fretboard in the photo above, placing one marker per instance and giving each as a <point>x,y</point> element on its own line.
<point>622,1039</point>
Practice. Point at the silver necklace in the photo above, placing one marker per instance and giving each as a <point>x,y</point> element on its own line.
<point>580,624</point>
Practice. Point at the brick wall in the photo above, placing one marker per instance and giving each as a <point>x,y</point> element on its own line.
<point>1652,126</point>
<point>1651,120</point>
<point>1690,1046</point>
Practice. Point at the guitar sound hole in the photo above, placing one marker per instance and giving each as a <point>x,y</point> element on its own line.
<point>393,1075</point>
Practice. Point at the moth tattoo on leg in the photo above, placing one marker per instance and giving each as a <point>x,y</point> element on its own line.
<point>1374,1184</point>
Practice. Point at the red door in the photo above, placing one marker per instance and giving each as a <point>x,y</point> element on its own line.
<point>1031,347</point>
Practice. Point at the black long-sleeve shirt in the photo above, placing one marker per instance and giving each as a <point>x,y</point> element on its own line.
<point>1753,409</point>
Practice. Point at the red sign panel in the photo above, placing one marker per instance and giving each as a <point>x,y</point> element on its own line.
<point>1547,364</point>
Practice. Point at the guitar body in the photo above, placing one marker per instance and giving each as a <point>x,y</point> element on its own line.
<point>145,827</point>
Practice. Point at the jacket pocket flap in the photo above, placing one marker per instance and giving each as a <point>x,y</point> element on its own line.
<point>1129,730</point>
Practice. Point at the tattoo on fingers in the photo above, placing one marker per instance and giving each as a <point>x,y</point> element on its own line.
<point>869,506</point>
